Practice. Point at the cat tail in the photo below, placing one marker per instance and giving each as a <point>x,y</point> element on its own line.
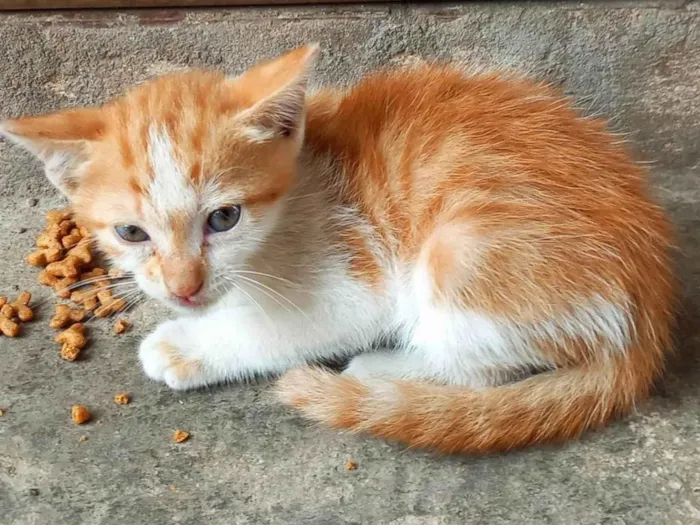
<point>550,407</point>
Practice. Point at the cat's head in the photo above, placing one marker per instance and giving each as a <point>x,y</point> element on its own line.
<point>181,178</point>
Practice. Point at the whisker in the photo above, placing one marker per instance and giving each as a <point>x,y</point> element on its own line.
<point>135,302</point>
<point>126,297</point>
<point>92,280</point>
<point>267,275</point>
<point>256,303</point>
<point>270,296</point>
<point>253,281</point>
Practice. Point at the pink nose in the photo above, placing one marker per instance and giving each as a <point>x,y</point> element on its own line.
<point>187,290</point>
<point>184,277</point>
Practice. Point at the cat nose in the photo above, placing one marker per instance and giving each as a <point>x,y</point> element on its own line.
<point>187,290</point>
<point>184,278</point>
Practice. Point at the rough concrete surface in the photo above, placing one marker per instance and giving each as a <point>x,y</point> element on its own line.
<point>251,461</point>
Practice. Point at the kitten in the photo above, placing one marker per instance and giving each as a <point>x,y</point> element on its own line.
<point>479,222</point>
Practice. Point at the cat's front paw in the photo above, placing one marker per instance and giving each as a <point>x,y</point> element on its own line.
<point>166,355</point>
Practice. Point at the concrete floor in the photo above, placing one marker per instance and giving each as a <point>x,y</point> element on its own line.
<point>251,461</point>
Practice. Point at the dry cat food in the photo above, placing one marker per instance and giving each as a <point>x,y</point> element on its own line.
<point>7,326</point>
<point>121,326</point>
<point>63,250</point>
<point>80,414</point>
<point>73,340</point>
<point>122,399</point>
<point>180,436</point>
<point>12,313</point>
<point>350,465</point>
<point>108,304</point>
<point>66,315</point>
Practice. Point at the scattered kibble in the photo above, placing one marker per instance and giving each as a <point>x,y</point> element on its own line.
<point>121,326</point>
<point>80,414</point>
<point>350,465</point>
<point>122,399</point>
<point>109,304</point>
<point>73,340</point>
<point>21,307</point>
<point>8,327</point>
<point>12,313</point>
<point>64,252</point>
<point>66,315</point>
<point>180,436</point>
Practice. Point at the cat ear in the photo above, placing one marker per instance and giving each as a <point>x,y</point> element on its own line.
<point>60,140</point>
<point>279,87</point>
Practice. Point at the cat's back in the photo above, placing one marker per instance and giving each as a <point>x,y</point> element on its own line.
<point>401,124</point>
<point>431,145</point>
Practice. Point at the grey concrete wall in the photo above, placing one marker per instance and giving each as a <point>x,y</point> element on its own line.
<point>251,461</point>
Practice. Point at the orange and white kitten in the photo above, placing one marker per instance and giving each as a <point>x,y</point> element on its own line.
<point>501,246</point>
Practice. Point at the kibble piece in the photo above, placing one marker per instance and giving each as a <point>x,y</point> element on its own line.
<point>65,227</point>
<point>121,326</point>
<point>44,256</point>
<point>122,399</point>
<point>8,327</point>
<point>50,238</point>
<point>58,216</point>
<point>92,276</point>
<point>350,465</point>
<point>46,279</point>
<point>8,311</point>
<point>73,340</point>
<point>82,253</point>
<point>68,267</point>
<point>21,306</point>
<point>70,352</point>
<point>86,298</point>
<point>109,304</point>
<point>63,286</point>
<point>73,238</point>
<point>180,436</point>
<point>66,315</point>
<point>80,414</point>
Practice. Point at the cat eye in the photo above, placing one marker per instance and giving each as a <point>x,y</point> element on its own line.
<point>131,233</point>
<point>224,219</point>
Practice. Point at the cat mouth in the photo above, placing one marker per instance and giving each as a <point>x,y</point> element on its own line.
<point>189,302</point>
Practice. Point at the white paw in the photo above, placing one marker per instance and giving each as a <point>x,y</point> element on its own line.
<point>165,357</point>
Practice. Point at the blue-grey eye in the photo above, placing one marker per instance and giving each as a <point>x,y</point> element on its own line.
<point>224,219</point>
<point>131,233</point>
